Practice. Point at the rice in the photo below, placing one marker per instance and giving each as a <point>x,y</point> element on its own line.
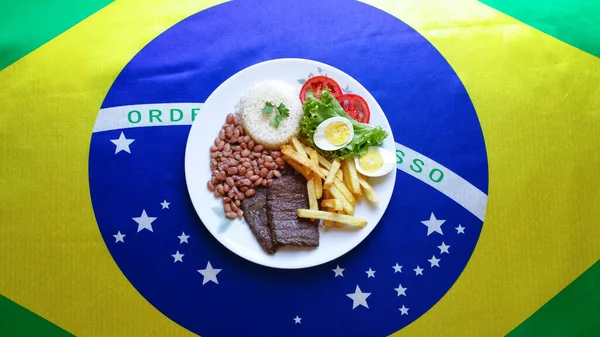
<point>257,124</point>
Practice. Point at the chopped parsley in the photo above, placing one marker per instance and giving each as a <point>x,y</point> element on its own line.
<point>278,113</point>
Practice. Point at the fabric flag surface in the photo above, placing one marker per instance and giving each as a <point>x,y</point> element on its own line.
<point>492,228</point>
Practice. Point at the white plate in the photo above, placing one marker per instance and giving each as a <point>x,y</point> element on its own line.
<point>237,236</point>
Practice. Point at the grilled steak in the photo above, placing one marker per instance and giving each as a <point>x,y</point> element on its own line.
<point>255,213</point>
<point>285,196</point>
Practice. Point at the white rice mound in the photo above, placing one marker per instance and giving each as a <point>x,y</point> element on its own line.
<point>257,123</point>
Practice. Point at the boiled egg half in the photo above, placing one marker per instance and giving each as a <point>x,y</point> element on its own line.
<point>333,134</point>
<point>376,162</point>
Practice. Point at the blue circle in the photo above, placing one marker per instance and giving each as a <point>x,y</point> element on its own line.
<point>429,111</point>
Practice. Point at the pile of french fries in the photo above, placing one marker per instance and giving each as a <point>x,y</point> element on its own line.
<point>337,184</point>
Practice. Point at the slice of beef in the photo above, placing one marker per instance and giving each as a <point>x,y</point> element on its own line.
<point>255,213</point>
<point>285,196</point>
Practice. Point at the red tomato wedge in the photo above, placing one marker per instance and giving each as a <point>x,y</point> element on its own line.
<point>316,84</point>
<point>356,107</point>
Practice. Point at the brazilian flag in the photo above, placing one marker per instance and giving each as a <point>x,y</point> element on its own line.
<point>493,228</point>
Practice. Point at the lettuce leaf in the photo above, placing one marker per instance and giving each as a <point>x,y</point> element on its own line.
<point>318,110</point>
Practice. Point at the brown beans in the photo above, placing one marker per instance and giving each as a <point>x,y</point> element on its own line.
<point>239,165</point>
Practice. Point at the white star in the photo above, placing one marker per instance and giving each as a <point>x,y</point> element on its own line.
<point>209,274</point>
<point>433,225</point>
<point>119,237</point>
<point>178,257</point>
<point>359,298</point>
<point>183,238</point>
<point>460,229</point>
<point>165,204</point>
<point>297,320</point>
<point>401,290</point>
<point>370,273</point>
<point>418,271</point>
<point>397,268</point>
<point>122,143</point>
<point>338,271</point>
<point>144,221</point>
<point>434,261</point>
<point>403,310</point>
<point>444,248</point>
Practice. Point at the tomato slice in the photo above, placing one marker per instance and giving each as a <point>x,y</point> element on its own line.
<point>356,107</point>
<point>316,84</point>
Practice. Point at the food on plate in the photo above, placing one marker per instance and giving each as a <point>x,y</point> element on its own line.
<point>255,214</point>
<point>315,85</point>
<point>239,165</point>
<point>356,107</point>
<point>333,134</point>
<point>316,111</point>
<point>351,176</point>
<point>285,197</point>
<point>333,171</point>
<point>376,162</point>
<point>335,217</point>
<point>270,113</point>
<point>287,167</point>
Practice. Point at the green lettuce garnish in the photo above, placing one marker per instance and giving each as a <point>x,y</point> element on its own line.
<point>318,110</point>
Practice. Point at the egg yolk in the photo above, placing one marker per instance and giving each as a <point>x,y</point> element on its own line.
<point>337,133</point>
<point>371,161</point>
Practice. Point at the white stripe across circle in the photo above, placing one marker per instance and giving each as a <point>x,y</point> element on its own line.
<point>407,160</point>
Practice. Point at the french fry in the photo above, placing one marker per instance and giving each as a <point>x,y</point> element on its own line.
<point>345,191</point>
<point>347,206</point>
<point>351,176</point>
<point>297,167</point>
<point>314,157</point>
<point>312,199</point>
<point>368,189</point>
<point>299,147</point>
<point>333,170</point>
<point>335,204</point>
<point>338,224</point>
<point>341,218</point>
<point>304,161</point>
<point>326,164</point>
